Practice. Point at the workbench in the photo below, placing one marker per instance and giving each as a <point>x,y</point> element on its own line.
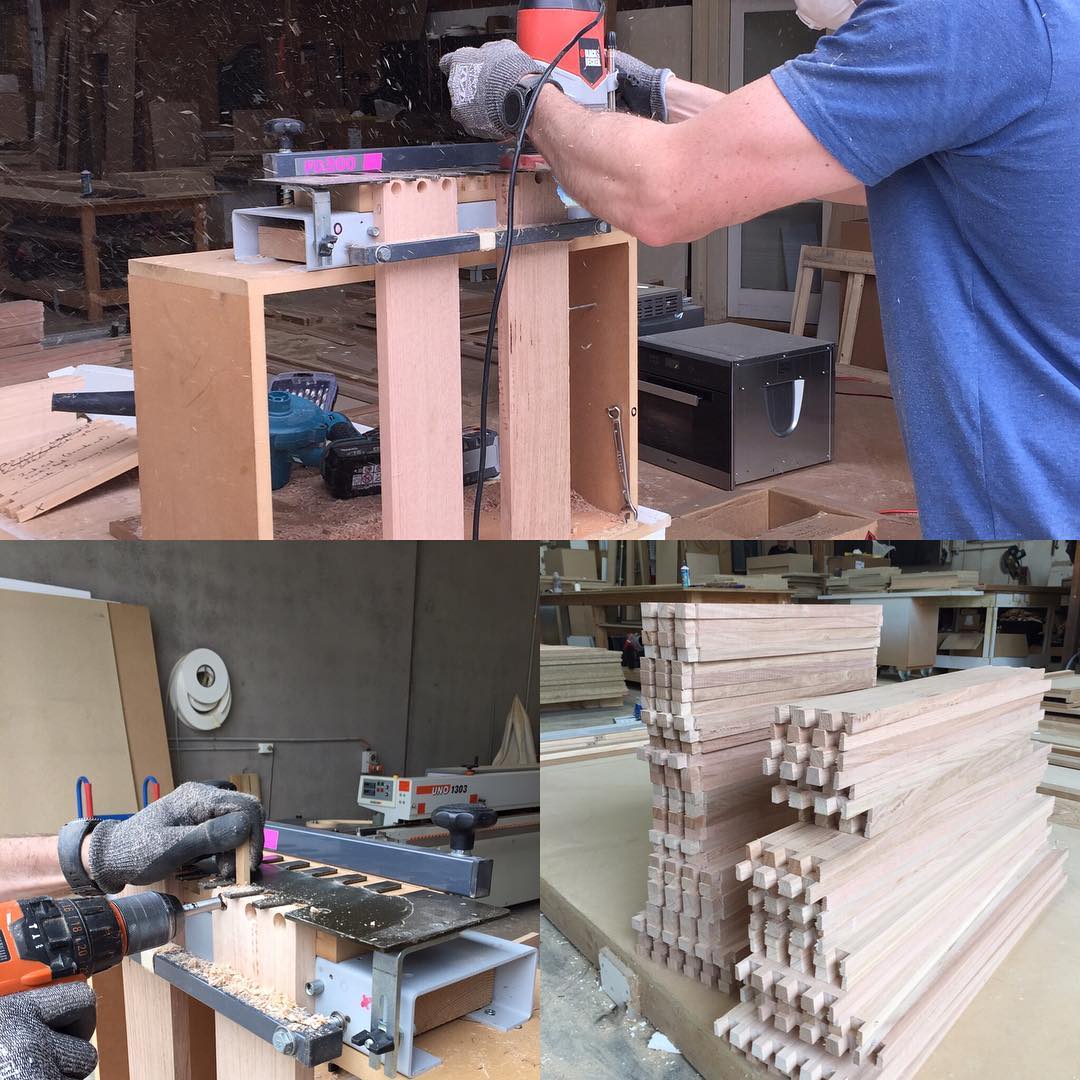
<point>21,204</point>
<point>567,355</point>
<point>597,601</point>
<point>909,633</point>
<point>187,1022</point>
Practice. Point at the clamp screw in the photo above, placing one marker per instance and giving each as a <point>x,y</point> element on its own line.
<point>285,1042</point>
<point>603,227</point>
<point>382,253</point>
<point>374,232</point>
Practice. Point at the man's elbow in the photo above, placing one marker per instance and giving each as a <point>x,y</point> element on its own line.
<point>655,227</point>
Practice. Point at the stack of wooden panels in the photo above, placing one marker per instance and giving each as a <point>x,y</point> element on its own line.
<point>807,586</point>
<point>1060,729</point>
<point>869,579</point>
<point>860,762</point>
<point>710,682</point>
<point>866,944</point>
<point>580,676</point>
<point>942,579</point>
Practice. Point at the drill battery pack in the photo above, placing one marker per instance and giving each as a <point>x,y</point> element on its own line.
<point>351,467</point>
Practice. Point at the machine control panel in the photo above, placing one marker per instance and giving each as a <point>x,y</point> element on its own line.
<point>377,787</point>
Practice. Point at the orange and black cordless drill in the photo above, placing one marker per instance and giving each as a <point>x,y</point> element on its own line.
<point>45,941</point>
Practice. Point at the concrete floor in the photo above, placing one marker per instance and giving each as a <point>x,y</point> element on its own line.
<point>584,1032</point>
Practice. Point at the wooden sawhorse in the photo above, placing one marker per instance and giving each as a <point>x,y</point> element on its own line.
<point>856,265</point>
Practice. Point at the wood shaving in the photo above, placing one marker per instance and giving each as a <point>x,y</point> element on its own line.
<point>273,1003</point>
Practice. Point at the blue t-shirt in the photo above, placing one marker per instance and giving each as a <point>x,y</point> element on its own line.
<point>962,118</point>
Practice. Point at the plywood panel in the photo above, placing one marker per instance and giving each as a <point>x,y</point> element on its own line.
<point>603,371</point>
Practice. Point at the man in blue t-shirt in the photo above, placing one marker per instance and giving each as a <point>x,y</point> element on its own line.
<point>958,123</point>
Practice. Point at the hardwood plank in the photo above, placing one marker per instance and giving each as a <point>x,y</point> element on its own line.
<point>534,373</point>
<point>419,346</point>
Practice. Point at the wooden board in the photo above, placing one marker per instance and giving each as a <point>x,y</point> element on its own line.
<point>63,712</point>
<point>67,465</point>
<point>534,374</point>
<point>603,372</point>
<point>419,367</point>
<point>199,360</point>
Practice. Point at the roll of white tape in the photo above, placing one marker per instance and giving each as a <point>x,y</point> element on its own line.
<point>200,694</point>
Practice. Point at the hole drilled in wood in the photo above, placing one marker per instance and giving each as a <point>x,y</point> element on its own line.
<point>279,921</point>
<point>421,185</point>
<point>445,183</point>
<point>251,911</point>
<point>395,187</point>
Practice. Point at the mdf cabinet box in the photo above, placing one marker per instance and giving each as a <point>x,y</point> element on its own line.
<point>79,696</point>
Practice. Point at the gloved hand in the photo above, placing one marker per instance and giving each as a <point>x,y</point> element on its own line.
<point>44,1033</point>
<point>480,81</point>
<point>641,88</point>
<point>192,822</point>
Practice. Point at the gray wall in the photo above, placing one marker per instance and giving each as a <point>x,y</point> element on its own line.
<point>418,648</point>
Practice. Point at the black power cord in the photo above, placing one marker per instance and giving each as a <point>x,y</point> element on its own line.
<point>496,300</point>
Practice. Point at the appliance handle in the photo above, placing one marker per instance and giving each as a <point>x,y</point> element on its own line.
<point>798,388</point>
<point>666,392</point>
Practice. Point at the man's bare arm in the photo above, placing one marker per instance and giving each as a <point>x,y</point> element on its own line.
<point>743,156</point>
<point>30,866</point>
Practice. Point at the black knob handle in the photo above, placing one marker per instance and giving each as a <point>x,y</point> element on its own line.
<point>285,129</point>
<point>461,822</point>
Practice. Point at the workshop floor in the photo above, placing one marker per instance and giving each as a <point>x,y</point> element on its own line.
<point>868,473</point>
<point>584,1033</point>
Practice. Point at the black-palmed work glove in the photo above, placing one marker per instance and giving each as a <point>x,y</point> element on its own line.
<point>642,89</point>
<point>44,1033</point>
<point>192,822</point>
<point>480,82</point>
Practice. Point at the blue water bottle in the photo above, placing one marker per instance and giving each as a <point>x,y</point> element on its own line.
<point>684,576</point>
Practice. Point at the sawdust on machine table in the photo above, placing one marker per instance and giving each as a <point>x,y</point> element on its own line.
<point>271,1002</point>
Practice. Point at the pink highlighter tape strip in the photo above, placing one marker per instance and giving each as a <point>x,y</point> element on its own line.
<point>372,163</point>
<point>270,839</point>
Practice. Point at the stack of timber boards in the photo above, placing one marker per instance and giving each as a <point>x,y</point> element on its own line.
<point>711,679</point>
<point>869,579</point>
<point>580,676</point>
<point>867,943</point>
<point>1060,729</point>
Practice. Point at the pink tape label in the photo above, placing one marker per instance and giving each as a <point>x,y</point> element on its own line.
<point>373,163</point>
<point>270,839</point>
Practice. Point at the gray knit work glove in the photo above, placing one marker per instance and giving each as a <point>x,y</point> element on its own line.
<point>642,89</point>
<point>480,81</point>
<point>44,1033</point>
<point>192,822</point>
